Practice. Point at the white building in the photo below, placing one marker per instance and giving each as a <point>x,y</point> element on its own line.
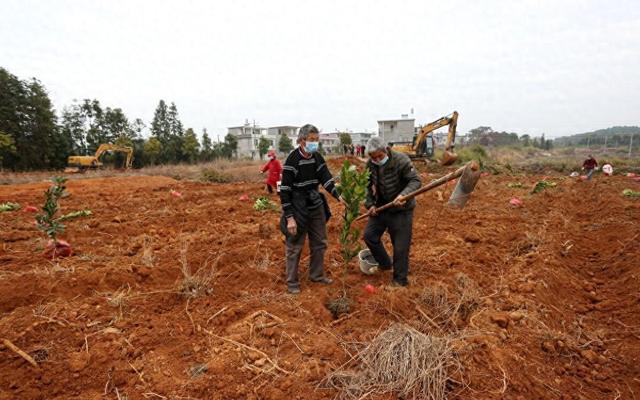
<point>249,137</point>
<point>330,142</point>
<point>397,130</point>
<point>361,138</point>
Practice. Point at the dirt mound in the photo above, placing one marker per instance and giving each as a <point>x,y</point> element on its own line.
<point>542,300</point>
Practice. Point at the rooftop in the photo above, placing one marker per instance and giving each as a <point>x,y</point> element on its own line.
<point>396,120</point>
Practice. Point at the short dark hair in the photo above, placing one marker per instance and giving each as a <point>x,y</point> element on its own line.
<point>306,130</point>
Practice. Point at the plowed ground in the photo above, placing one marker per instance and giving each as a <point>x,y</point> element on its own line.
<point>551,289</point>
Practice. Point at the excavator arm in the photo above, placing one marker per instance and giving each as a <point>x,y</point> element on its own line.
<point>449,156</point>
<point>103,148</point>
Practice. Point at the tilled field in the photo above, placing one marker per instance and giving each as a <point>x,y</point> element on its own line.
<point>539,301</point>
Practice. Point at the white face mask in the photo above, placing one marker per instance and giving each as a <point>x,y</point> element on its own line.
<point>381,162</point>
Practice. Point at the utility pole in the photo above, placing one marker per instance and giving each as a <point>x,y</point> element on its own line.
<point>630,145</point>
<point>605,143</point>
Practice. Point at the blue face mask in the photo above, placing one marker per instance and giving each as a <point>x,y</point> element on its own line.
<point>311,147</point>
<point>381,162</point>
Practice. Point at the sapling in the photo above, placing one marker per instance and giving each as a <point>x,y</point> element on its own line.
<point>353,189</point>
<point>51,224</point>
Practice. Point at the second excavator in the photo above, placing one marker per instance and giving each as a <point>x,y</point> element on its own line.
<point>82,163</point>
<point>423,144</point>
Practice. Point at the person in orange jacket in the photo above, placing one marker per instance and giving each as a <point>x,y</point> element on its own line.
<point>274,169</point>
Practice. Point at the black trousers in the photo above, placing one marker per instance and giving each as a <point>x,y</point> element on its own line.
<point>400,226</point>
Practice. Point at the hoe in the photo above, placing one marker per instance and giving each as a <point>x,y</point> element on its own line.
<point>469,175</point>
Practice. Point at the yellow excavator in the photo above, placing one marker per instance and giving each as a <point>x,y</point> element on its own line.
<point>423,145</point>
<point>83,163</point>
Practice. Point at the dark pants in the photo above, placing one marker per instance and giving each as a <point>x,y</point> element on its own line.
<point>269,188</point>
<point>399,224</point>
<point>317,232</point>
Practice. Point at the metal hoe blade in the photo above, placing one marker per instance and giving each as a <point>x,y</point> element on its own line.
<point>465,186</point>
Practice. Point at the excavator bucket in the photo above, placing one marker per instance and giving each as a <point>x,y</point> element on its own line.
<point>448,158</point>
<point>465,186</point>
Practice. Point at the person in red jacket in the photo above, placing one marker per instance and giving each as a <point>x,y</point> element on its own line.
<point>274,168</point>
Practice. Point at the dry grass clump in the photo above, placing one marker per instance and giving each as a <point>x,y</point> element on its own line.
<point>148,257</point>
<point>452,308</point>
<point>194,284</point>
<point>468,296</point>
<point>400,360</point>
<point>213,175</point>
<point>120,300</point>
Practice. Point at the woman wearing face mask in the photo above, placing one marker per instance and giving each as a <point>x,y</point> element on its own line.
<point>391,175</point>
<point>304,209</point>
<point>274,170</point>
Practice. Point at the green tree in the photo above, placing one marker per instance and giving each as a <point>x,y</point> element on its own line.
<point>190,146</point>
<point>160,127</point>
<point>27,116</point>
<point>152,150</point>
<point>345,139</point>
<point>176,130</point>
<point>285,145</point>
<point>7,146</point>
<point>207,148</point>
<point>263,146</point>
<point>230,146</point>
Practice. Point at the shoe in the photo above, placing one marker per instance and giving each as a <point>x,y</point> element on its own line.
<point>325,280</point>
<point>293,290</point>
<point>397,284</point>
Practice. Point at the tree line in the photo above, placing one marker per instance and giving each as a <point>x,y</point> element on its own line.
<point>485,136</point>
<point>33,136</point>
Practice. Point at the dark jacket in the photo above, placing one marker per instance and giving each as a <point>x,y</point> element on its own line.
<point>299,202</point>
<point>589,163</point>
<point>397,177</point>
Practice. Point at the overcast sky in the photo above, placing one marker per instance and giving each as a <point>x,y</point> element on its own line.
<point>558,67</point>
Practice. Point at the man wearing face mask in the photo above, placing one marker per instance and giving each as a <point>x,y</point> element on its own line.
<point>304,209</point>
<point>391,175</point>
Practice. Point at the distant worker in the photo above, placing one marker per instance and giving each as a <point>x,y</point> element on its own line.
<point>391,175</point>
<point>304,209</point>
<point>589,165</point>
<point>274,170</point>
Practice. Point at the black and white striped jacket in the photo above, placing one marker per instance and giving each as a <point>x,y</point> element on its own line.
<point>304,174</point>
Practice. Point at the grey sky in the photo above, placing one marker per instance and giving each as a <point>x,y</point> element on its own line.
<point>558,67</point>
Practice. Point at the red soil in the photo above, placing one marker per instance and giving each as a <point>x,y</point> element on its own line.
<point>556,313</point>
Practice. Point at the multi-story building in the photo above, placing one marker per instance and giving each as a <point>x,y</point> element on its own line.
<point>249,137</point>
<point>397,130</point>
<point>330,142</point>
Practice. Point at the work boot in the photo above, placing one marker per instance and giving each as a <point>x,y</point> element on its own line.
<point>397,284</point>
<point>325,280</point>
